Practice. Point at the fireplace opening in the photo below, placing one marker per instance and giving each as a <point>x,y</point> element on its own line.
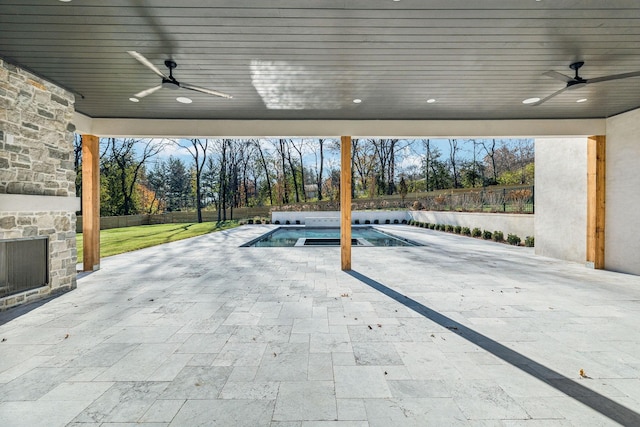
<point>24,264</point>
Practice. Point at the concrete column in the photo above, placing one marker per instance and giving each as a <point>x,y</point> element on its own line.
<point>90,202</point>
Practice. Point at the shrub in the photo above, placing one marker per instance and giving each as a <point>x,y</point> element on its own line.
<point>457,229</point>
<point>277,222</point>
<point>366,221</point>
<point>417,205</point>
<point>266,221</point>
<point>386,221</point>
<point>258,221</point>
<point>486,234</point>
<point>448,228</point>
<point>404,221</point>
<point>432,226</point>
<point>411,222</point>
<point>249,221</point>
<point>529,241</point>
<point>375,221</point>
<point>466,231</point>
<point>476,232</point>
<point>357,221</point>
<point>297,222</point>
<point>498,236</point>
<point>513,239</point>
<point>395,221</point>
<point>287,222</point>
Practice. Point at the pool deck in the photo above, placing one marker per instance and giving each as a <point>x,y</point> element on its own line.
<point>202,332</point>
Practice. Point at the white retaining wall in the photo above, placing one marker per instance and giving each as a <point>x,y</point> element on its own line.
<point>521,225</point>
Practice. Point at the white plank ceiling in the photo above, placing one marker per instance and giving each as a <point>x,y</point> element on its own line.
<point>309,59</point>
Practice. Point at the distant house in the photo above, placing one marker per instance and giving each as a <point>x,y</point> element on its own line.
<point>311,190</point>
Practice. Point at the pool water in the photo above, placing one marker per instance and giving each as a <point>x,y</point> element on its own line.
<point>306,236</point>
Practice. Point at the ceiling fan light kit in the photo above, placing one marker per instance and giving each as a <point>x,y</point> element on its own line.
<point>170,82</point>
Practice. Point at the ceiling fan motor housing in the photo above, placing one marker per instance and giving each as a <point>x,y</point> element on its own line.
<point>170,84</point>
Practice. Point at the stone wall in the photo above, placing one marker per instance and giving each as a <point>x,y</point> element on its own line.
<point>37,170</point>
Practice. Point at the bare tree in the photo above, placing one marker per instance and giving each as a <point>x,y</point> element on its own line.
<point>129,156</point>
<point>490,148</point>
<point>198,148</point>
<point>264,165</point>
<point>453,161</point>
<point>320,167</point>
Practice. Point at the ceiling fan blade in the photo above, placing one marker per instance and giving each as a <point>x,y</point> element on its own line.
<point>614,77</point>
<point>144,61</point>
<point>207,91</point>
<point>549,97</point>
<point>147,92</point>
<point>558,76</point>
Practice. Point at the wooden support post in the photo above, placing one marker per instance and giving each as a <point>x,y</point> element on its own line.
<point>90,202</point>
<point>345,202</point>
<point>596,164</point>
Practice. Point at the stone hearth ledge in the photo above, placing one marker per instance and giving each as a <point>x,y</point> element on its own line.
<point>34,203</point>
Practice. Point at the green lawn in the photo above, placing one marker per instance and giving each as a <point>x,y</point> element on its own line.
<point>119,240</point>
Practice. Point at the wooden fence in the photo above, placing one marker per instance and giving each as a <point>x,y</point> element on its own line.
<point>107,222</point>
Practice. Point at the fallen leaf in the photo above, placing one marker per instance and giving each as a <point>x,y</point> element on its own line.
<point>275,355</point>
<point>4,339</point>
<point>433,336</point>
<point>583,374</point>
<point>385,372</point>
<point>379,325</point>
<point>369,326</point>
<point>66,336</point>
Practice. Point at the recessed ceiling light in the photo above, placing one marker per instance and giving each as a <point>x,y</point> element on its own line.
<point>431,101</point>
<point>582,100</point>
<point>184,100</point>
<point>132,99</point>
<point>530,100</point>
<point>357,101</point>
<point>65,1</point>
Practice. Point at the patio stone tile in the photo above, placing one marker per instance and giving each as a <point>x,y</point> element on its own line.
<point>367,353</point>
<point>330,343</point>
<point>251,390</point>
<point>240,354</point>
<point>77,391</point>
<point>320,367</point>
<point>35,383</point>
<point>351,410</point>
<point>203,343</point>
<point>284,362</point>
<point>162,411</point>
<point>414,412</point>
<point>237,413</point>
<point>40,413</point>
<point>140,363</point>
<point>306,400</point>
<point>195,382</point>
<point>123,402</point>
<point>360,382</point>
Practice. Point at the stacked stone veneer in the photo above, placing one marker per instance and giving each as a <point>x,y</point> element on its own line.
<point>36,161</point>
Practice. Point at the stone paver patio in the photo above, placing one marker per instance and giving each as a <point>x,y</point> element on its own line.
<point>201,332</point>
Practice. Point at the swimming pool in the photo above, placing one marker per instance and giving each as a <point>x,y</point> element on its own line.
<point>309,236</point>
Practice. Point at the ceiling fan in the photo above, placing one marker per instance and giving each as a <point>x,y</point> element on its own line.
<point>577,82</point>
<point>169,82</point>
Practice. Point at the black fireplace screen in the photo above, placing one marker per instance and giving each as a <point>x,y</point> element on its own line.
<point>23,264</point>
